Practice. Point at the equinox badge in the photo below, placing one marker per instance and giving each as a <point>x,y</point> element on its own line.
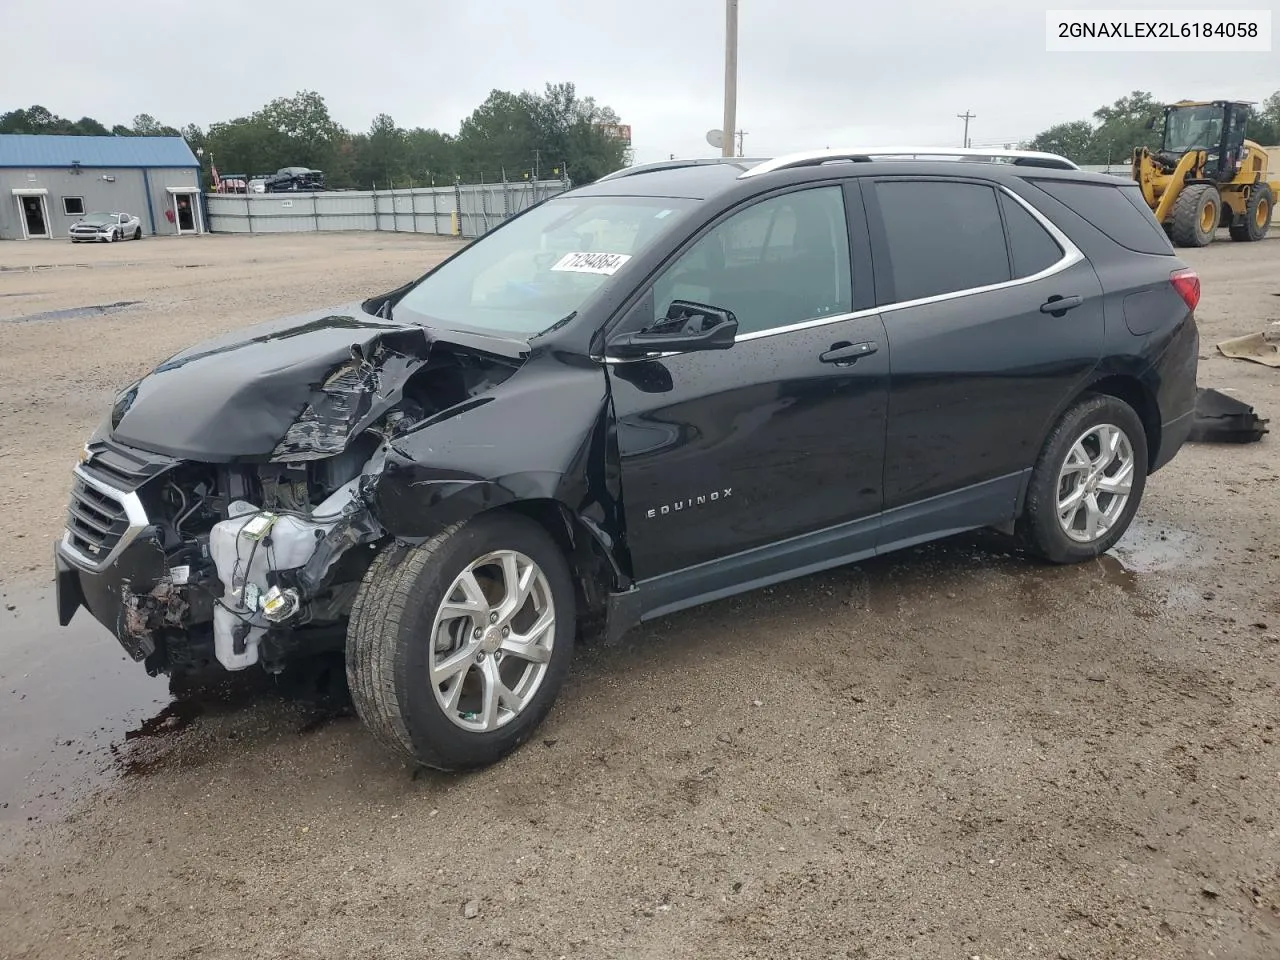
<point>689,503</point>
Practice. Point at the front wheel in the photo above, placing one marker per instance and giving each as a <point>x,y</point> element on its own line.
<point>1257,215</point>
<point>457,648</point>
<point>1087,483</point>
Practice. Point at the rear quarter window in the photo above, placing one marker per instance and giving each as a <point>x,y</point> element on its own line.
<point>1118,211</point>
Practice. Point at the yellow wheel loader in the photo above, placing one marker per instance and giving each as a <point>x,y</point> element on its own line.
<point>1207,175</point>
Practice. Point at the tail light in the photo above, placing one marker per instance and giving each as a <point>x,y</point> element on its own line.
<point>1187,283</point>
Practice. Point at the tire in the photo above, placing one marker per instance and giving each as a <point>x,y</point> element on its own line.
<point>1040,528</point>
<point>137,233</point>
<point>1191,214</point>
<point>1257,215</point>
<point>391,645</point>
<point>111,237</point>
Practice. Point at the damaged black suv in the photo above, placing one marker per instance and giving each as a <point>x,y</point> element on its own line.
<point>680,382</point>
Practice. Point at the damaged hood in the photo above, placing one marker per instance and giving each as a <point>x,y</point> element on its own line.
<point>297,388</point>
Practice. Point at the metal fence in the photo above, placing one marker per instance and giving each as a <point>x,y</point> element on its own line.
<point>466,210</point>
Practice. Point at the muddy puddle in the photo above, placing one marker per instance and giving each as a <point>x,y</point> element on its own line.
<point>73,313</point>
<point>76,713</point>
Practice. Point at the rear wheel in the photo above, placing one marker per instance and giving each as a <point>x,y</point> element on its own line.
<point>1088,482</point>
<point>1196,214</point>
<point>1257,215</point>
<point>457,648</point>
<point>137,233</point>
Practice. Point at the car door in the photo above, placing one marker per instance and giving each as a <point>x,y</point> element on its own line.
<point>769,452</point>
<point>994,318</point>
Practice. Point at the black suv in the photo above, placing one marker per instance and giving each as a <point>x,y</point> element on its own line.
<point>680,382</point>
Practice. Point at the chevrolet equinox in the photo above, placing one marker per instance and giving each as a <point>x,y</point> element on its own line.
<point>680,382</point>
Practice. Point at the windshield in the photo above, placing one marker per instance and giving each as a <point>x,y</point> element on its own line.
<point>534,271</point>
<point>1193,128</point>
<point>96,219</point>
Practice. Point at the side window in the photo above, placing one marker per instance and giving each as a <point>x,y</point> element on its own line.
<point>942,237</point>
<point>1031,245</point>
<point>780,261</point>
<point>1132,225</point>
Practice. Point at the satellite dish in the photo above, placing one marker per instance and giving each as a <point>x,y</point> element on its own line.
<point>715,138</point>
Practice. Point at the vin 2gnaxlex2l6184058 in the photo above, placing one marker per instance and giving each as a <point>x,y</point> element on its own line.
<point>680,382</point>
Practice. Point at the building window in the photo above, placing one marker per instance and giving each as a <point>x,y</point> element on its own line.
<point>73,206</point>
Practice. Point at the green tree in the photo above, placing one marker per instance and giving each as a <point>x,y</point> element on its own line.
<point>386,153</point>
<point>308,135</point>
<point>430,155</point>
<point>1072,140</point>
<point>1264,122</point>
<point>89,127</point>
<point>145,125</point>
<point>1122,127</point>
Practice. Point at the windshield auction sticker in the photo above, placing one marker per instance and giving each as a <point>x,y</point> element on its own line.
<point>606,263</point>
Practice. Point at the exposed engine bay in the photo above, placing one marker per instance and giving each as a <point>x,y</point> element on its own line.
<point>245,562</point>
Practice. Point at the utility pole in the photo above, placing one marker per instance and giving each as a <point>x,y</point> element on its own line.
<point>741,134</point>
<point>966,117</point>
<point>730,77</point>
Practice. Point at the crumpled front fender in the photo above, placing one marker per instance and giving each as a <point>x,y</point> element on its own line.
<point>544,434</point>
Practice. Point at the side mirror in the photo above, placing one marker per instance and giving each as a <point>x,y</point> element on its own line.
<point>687,326</point>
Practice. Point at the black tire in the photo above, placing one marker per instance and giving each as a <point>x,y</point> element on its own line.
<point>1039,528</point>
<point>1189,215</point>
<point>137,233</point>
<point>389,642</point>
<point>1257,215</point>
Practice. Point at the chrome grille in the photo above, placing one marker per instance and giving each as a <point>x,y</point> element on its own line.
<point>101,520</point>
<point>95,520</point>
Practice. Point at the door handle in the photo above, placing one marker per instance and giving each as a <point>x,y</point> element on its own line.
<point>1057,305</point>
<point>845,352</point>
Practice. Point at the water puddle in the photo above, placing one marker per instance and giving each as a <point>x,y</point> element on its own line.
<point>71,313</point>
<point>76,712</point>
<point>46,267</point>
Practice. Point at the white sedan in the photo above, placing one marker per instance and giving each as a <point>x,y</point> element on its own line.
<point>106,227</point>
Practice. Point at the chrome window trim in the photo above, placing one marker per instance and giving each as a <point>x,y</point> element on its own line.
<point>1071,255</point>
<point>133,511</point>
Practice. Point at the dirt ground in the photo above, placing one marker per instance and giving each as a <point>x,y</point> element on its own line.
<point>947,753</point>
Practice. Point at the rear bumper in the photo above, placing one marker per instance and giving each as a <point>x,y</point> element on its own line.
<point>1172,436</point>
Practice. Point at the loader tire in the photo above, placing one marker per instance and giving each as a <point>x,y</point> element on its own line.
<point>1257,215</point>
<point>1196,214</point>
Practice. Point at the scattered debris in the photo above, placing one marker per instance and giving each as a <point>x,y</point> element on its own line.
<point>1261,347</point>
<point>471,909</point>
<point>1223,419</point>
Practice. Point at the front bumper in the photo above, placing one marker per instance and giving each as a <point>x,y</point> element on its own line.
<point>105,591</point>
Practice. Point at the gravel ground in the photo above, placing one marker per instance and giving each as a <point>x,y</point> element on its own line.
<point>946,753</point>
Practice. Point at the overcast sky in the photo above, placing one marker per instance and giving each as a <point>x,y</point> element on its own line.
<point>812,73</point>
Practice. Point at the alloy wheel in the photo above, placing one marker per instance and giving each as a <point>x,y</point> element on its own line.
<point>1094,482</point>
<point>491,641</point>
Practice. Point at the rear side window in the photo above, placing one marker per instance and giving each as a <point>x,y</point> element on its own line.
<point>942,237</point>
<point>1118,211</point>
<point>1030,244</point>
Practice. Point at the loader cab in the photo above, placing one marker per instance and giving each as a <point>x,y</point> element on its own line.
<point>1217,127</point>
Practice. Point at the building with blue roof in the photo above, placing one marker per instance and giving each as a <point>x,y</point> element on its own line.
<point>48,182</point>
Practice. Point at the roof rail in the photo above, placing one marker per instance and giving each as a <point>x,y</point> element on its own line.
<point>675,165</point>
<point>810,158</point>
